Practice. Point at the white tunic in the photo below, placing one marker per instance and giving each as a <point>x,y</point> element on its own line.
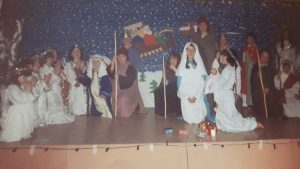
<point>4,100</point>
<point>39,91</point>
<point>77,96</point>
<point>227,117</point>
<point>292,106</point>
<point>192,85</point>
<point>18,121</point>
<point>56,112</point>
<point>286,53</point>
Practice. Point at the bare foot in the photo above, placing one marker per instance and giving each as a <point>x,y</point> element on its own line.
<point>259,125</point>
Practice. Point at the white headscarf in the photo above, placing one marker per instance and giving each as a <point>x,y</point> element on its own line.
<point>200,66</point>
<point>100,103</point>
<point>104,61</point>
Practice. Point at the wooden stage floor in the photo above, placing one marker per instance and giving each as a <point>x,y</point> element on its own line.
<point>146,128</point>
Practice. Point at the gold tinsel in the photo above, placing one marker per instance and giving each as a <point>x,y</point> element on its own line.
<point>65,89</point>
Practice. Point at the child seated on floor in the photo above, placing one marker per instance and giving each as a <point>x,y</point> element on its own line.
<point>17,121</point>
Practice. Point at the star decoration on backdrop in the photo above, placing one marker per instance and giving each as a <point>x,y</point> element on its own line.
<point>62,23</point>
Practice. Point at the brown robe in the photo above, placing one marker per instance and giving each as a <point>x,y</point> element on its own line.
<point>127,90</point>
<point>206,46</point>
<point>272,98</point>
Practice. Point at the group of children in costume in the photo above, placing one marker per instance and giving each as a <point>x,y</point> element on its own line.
<point>205,83</point>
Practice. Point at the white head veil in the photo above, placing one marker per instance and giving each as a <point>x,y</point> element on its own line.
<point>200,66</point>
<point>100,103</point>
<point>104,61</point>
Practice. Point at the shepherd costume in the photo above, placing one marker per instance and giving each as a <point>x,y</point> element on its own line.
<point>290,84</point>
<point>249,59</point>
<point>272,98</point>
<point>127,87</point>
<point>173,102</point>
<point>205,43</point>
<point>100,87</point>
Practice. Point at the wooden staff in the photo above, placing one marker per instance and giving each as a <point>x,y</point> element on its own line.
<point>262,84</point>
<point>164,84</point>
<point>87,89</point>
<point>116,75</point>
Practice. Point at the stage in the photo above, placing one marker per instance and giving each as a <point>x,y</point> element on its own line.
<point>140,142</point>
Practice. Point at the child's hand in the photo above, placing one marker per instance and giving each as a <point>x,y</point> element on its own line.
<point>266,90</point>
<point>83,69</point>
<point>103,97</point>
<point>278,75</point>
<point>47,78</point>
<point>173,67</point>
<point>34,81</point>
<point>57,68</point>
<point>192,99</point>
<point>96,65</point>
<point>213,71</point>
<point>28,87</point>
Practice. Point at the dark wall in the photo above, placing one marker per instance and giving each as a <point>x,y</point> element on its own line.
<point>62,23</point>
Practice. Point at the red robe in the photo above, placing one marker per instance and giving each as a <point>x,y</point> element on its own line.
<point>291,80</point>
<point>252,51</point>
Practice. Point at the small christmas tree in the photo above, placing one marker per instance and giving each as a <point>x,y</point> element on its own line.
<point>153,86</point>
<point>142,77</point>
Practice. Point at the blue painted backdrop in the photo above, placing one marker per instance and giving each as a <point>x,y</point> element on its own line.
<point>62,23</point>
